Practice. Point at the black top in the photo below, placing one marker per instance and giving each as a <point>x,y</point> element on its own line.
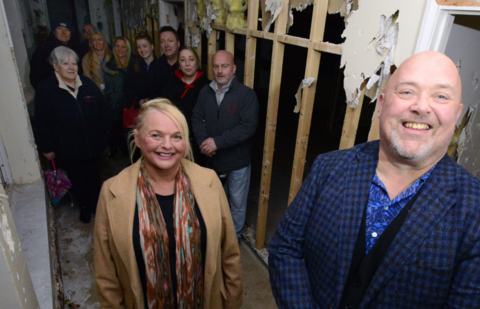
<point>40,68</point>
<point>73,128</point>
<point>142,81</point>
<point>175,89</point>
<point>166,71</point>
<point>166,206</point>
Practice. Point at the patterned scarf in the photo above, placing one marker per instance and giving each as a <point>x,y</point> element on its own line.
<point>154,241</point>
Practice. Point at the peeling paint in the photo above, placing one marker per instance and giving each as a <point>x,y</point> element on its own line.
<point>298,5</point>
<point>372,50</point>
<point>307,82</point>
<point>466,134</point>
<point>270,11</point>
<point>7,232</point>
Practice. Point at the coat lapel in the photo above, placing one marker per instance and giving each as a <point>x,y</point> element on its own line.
<point>430,207</point>
<point>357,186</point>
<point>121,211</point>
<point>208,201</point>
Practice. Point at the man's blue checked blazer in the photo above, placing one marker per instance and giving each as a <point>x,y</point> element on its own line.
<point>433,262</point>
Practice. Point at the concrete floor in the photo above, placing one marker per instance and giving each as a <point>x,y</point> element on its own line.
<point>76,256</point>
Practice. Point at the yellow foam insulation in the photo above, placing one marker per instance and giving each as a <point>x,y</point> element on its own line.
<point>200,9</point>
<point>379,36</point>
<point>236,18</point>
<point>220,13</point>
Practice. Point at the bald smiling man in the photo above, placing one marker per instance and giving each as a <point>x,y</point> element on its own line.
<point>393,223</point>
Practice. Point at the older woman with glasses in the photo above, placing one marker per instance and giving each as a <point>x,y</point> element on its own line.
<point>72,123</point>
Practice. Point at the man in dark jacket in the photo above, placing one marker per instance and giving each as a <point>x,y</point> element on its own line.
<point>169,43</point>
<point>224,121</point>
<point>40,68</point>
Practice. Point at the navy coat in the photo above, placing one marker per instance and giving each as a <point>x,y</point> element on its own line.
<point>433,262</point>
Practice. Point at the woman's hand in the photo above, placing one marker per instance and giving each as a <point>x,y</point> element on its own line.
<point>49,155</point>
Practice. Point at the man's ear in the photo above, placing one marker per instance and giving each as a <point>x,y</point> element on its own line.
<point>381,99</point>
<point>459,112</point>
<point>234,69</point>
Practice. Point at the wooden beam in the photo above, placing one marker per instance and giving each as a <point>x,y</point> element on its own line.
<point>251,45</point>
<point>350,124</point>
<point>230,42</point>
<point>293,40</point>
<point>326,47</point>
<point>262,34</point>
<point>212,49</point>
<point>313,63</point>
<point>458,2</point>
<point>219,27</point>
<point>271,126</point>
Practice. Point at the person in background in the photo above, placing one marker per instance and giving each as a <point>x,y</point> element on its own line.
<point>40,68</point>
<point>115,76</point>
<point>94,62</point>
<point>224,121</point>
<point>183,90</point>
<point>392,223</point>
<point>169,43</point>
<point>164,236</point>
<point>72,123</point>
<point>84,47</point>
<point>143,76</point>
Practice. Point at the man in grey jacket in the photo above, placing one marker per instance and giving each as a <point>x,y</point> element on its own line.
<point>224,120</point>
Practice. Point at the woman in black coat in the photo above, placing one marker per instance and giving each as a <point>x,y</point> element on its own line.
<point>143,73</point>
<point>183,90</point>
<point>115,77</point>
<point>72,123</point>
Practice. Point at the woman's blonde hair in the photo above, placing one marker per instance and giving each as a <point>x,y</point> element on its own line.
<point>166,107</point>
<point>129,52</point>
<point>89,56</point>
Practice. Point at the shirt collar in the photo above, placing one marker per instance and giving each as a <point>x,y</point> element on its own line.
<point>214,86</point>
<point>61,84</point>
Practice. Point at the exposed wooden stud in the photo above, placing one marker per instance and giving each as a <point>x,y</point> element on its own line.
<point>313,63</point>
<point>293,40</point>
<point>219,27</point>
<point>262,34</point>
<point>251,45</point>
<point>350,124</point>
<point>271,126</point>
<point>230,42</point>
<point>327,48</point>
<point>458,2</point>
<point>212,49</point>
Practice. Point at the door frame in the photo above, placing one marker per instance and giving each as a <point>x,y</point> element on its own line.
<point>5,171</point>
<point>437,24</point>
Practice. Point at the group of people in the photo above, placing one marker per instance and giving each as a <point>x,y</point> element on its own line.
<point>166,229</point>
<point>393,223</point>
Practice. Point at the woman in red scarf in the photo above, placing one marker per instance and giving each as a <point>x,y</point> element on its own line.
<point>183,90</point>
<point>164,236</point>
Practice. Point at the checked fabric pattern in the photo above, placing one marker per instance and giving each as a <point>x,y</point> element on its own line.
<point>433,262</point>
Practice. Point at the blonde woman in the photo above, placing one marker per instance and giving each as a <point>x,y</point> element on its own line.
<point>164,236</point>
<point>93,63</point>
<point>115,76</point>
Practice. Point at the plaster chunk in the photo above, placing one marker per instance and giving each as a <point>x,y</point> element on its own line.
<point>270,11</point>
<point>307,82</point>
<point>466,134</point>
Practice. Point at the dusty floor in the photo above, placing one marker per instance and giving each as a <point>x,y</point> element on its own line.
<point>76,255</point>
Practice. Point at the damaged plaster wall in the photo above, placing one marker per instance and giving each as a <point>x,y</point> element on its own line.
<point>378,34</point>
<point>462,47</point>
<point>16,289</point>
<point>98,17</point>
<point>14,123</point>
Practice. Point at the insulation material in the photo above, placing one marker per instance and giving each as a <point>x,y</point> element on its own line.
<point>270,11</point>
<point>371,61</point>
<point>218,7</point>
<point>236,18</point>
<point>193,23</point>
<point>200,9</point>
<point>307,82</point>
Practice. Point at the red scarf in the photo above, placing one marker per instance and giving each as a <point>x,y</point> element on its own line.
<point>179,74</point>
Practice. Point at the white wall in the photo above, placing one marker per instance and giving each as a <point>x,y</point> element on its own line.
<point>98,14</point>
<point>14,122</point>
<point>463,47</point>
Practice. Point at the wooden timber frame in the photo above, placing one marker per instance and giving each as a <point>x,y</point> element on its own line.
<point>315,47</point>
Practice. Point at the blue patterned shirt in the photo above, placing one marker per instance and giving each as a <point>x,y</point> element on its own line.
<point>381,210</point>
